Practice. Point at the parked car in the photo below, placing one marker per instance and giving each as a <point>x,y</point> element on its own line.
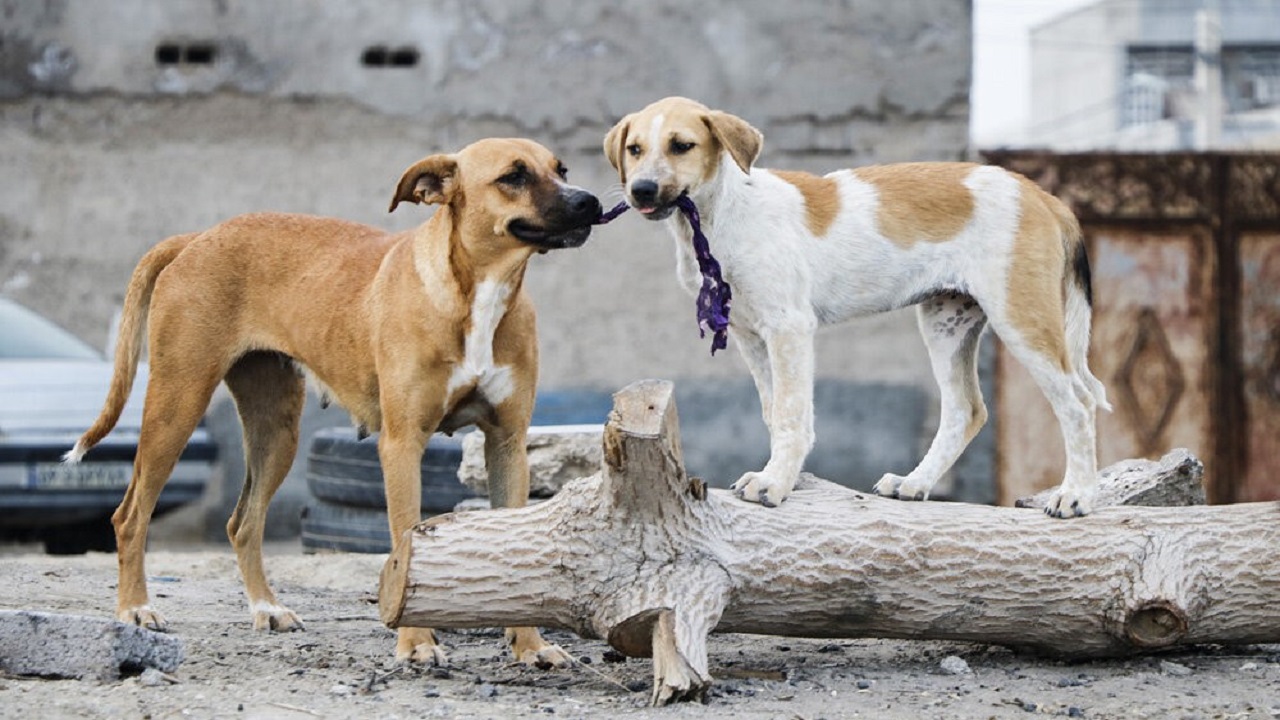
<point>52,386</point>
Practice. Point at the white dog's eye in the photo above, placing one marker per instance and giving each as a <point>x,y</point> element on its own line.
<point>679,147</point>
<point>633,150</point>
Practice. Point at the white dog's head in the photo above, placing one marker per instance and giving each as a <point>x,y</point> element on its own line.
<point>674,147</point>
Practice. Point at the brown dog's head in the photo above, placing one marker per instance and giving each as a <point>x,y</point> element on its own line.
<point>512,190</point>
<point>674,147</point>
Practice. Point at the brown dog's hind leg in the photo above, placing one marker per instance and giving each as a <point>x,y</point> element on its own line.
<point>269,396</point>
<point>176,400</point>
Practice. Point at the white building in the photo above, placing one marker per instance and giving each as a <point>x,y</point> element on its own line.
<point>1122,75</point>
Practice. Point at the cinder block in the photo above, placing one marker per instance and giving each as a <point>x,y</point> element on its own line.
<point>75,646</point>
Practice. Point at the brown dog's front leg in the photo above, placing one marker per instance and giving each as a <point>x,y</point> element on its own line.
<point>400,449</point>
<point>507,462</point>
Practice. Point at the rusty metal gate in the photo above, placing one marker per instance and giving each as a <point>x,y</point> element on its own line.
<point>1185,250</point>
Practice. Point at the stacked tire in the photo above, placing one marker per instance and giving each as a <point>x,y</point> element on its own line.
<point>348,507</point>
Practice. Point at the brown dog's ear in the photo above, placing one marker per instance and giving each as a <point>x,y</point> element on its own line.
<point>615,144</point>
<point>431,180</point>
<point>737,136</point>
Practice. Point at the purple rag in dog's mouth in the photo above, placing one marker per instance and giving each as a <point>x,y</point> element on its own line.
<point>607,217</point>
<point>715,296</point>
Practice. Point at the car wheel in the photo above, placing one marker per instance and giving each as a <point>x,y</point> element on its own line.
<point>79,538</point>
<point>346,471</point>
<point>326,526</point>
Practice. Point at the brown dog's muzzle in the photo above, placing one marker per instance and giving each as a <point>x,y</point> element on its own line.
<point>566,223</point>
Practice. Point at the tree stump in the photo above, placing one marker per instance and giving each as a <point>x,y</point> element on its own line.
<point>651,560</point>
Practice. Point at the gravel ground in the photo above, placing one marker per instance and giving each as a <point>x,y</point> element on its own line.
<point>341,667</point>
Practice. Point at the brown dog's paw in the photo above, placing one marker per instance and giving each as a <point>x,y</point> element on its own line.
<point>529,648</point>
<point>418,645</point>
<point>275,618</point>
<point>143,616</point>
<point>547,657</point>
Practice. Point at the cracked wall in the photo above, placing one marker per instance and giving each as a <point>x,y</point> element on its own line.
<point>107,150</point>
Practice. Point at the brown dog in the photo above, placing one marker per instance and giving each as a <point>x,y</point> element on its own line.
<point>414,332</point>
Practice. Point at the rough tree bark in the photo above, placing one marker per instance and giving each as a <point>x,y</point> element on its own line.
<point>651,560</point>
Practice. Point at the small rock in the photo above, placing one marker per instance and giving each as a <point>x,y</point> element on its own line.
<point>151,677</point>
<point>1074,711</point>
<point>637,686</point>
<point>1173,668</point>
<point>955,665</point>
<point>486,690</point>
<point>613,656</point>
<point>831,648</point>
<point>1030,707</point>
<point>1249,666</point>
<point>340,690</point>
<point>864,684</point>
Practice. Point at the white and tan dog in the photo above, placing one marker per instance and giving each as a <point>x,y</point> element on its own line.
<point>413,332</point>
<point>968,244</point>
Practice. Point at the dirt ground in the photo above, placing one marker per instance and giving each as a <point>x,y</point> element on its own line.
<point>341,667</point>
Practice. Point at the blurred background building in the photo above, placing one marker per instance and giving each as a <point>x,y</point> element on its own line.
<point>1157,75</point>
<point>125,122</point>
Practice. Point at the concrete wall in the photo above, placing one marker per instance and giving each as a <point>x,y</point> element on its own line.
<point>106,151</point>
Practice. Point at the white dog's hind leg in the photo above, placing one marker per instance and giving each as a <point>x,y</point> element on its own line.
<point>791,428</point>
<point>1066,392</point>
<point>951,325</point>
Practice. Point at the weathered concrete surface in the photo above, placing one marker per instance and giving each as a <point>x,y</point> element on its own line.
<point>75,646</point>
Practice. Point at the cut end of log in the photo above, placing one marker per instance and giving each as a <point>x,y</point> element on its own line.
<point>1156,624</point>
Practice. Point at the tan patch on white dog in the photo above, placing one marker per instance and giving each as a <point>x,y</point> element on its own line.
<point>1035,276</point>
<point>920,202</point>
<point>821,199</point>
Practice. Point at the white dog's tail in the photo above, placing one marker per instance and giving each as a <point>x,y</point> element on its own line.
<point>133,326</point>
<point>1078,294</point>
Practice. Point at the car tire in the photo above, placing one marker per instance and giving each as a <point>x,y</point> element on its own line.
<point>326,526</point>
<point>344,470</point>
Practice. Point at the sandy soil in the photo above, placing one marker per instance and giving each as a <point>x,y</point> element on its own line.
<point>341,667</point>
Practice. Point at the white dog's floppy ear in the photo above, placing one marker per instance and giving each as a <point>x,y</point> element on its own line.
<point>615,144</point>
<point>431,180</point>
<point>737,136</point>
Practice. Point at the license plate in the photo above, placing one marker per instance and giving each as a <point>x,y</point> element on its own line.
<point>81,476</point>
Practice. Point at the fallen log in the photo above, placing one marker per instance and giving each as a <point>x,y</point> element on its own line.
<point>651,560</point>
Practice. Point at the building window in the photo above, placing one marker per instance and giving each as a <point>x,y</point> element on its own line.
<point>191,54</point>
<point>380,56</point>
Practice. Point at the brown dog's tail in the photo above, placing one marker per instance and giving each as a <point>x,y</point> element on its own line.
<point>133,327</point>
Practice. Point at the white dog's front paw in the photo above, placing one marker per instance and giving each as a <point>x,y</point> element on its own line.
<point>1066,503</point>
<point>903,488</point>
<point>763,488</point>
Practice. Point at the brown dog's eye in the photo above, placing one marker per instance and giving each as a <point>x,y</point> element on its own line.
<point>516,178</point>
<point>562,171</point>
<point>633,150</point>
<point>679,147</point>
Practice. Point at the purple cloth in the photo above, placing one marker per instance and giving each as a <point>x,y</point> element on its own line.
<point>615,212</point>
<point>715,296</point>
